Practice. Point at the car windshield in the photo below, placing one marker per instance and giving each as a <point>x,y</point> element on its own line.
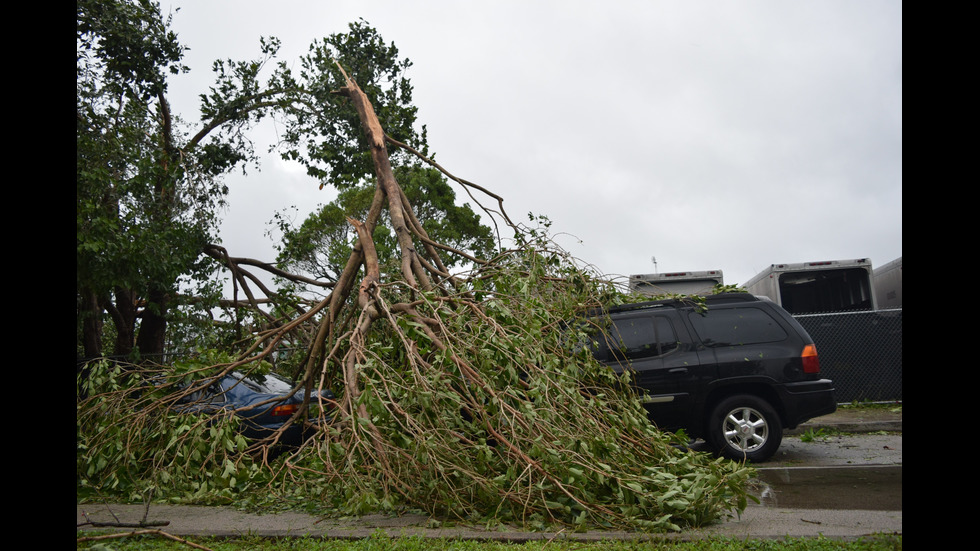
<point>268,383</point>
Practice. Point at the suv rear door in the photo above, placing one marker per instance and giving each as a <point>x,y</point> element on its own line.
<point>726,330</point>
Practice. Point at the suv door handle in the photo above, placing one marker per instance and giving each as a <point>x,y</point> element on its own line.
<point>677,370</point>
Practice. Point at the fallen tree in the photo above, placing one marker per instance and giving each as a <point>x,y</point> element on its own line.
<point>469,396</point>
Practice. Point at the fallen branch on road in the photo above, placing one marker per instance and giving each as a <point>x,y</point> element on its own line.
<point>160,533</point>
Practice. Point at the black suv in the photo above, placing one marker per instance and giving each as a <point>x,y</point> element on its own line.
<point>736,374</point>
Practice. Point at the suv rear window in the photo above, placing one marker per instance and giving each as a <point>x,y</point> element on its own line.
<point>736,327</point>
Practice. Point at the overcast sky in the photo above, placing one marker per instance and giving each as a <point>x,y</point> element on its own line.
<point>710,135</point>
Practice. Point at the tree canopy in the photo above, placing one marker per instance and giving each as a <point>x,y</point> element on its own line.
<point>150,185</point>
<point>141,221</point>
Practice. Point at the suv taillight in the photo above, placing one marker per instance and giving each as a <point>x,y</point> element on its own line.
<point>811,363</point>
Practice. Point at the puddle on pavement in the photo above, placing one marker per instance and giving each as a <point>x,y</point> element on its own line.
<point>874,488</point>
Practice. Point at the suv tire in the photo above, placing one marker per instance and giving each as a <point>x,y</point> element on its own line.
<point>744,427</point>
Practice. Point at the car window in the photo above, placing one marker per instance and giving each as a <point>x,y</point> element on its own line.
<point>665,334</point>
<point>736,327</point>
<point>211,394</point>
<point>265,384</point>
<point>636,337</point>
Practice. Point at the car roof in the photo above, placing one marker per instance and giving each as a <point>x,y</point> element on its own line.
<point>721,298</point>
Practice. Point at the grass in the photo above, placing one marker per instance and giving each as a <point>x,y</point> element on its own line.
<point>879,542</point>
<point>810,435</point>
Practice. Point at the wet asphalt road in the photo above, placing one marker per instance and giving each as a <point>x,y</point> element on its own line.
<point>850,460</point>
<point>836,471</point>
<point>861,472</point>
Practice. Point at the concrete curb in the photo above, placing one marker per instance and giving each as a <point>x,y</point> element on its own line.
<point>755,522</point>
<point>861,427</point>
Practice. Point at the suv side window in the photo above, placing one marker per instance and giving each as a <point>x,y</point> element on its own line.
<point>736,327</point>
<point>637,337</point>
<point>666,337</point>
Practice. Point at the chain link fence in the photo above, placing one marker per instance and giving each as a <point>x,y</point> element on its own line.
<point>860,351</point>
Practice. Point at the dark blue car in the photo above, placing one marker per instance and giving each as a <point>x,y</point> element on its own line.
<point>237,392</point>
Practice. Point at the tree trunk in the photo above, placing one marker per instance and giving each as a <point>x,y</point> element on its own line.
<point>397,209</point>
<point>123,314</point>
<point>153,326</point>
<point>91,313</point>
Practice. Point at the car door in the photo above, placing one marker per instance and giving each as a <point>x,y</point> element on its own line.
<point>664,364</point>
<point>745,343</point>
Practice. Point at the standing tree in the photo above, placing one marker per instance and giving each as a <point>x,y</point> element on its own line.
<point>149,186</point>
<point>147,194</point>
<point>124,170</point>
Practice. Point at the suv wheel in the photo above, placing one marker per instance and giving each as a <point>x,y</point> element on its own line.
<point>745,427</point>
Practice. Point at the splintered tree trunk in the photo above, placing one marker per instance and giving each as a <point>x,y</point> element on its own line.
<point>414,273</point>
<point>399,209</point>
<point>365,254</point>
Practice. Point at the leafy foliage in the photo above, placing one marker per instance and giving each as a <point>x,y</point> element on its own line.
<point>465,395</point>
<point>132,43</point>
<point>526,429</point>
<point>149,190</point>
<point>132,443</point>
<point>525,426</point>
<point>327,136</point>
<point>147,198</point>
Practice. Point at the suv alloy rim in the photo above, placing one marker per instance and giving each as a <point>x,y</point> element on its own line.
<point>745,429</point>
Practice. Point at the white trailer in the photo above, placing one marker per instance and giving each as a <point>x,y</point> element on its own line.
<point>677,283</point>
<point>816,287</point>
<point>888,284</point>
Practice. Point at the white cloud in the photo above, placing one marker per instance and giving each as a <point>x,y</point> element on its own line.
<point>727,135</point>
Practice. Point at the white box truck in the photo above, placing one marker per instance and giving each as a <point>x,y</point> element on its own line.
<point>817,287</point>
<point>677,283</point>
<point>888,284</point>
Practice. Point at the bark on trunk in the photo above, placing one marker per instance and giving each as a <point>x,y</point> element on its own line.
<point>411,267</point>
<point>153,326</point>
<point>91,314</point>
<point>123,314</point>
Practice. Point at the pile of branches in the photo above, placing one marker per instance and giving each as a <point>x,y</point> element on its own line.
<point>475,396</point>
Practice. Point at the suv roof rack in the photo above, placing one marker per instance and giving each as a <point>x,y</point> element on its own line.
<point>675,302</point>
